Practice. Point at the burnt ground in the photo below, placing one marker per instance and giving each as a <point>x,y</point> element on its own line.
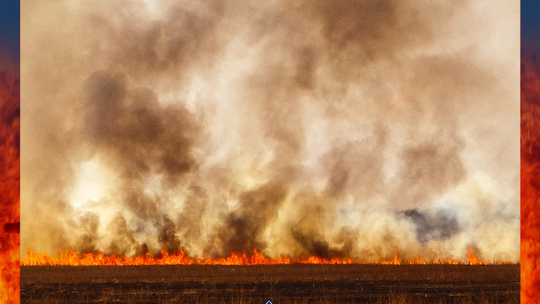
<point>279,283</point>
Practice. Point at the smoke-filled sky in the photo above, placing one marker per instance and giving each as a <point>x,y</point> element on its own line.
<point>335,128</point>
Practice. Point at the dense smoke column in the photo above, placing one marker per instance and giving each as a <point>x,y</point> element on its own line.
<point>327,128</point>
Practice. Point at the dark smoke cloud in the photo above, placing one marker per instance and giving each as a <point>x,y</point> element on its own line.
<point>129,130</point>
<point>242,230</point>
<point>167,235</point>
<point>123,241</point>
<point>432,225</point>
<point>131,127</point>
<point>295,127</point>
<point>312,238</point>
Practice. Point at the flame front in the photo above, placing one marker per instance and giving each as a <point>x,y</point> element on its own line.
<point>9,187</point>
<point>71,258</point>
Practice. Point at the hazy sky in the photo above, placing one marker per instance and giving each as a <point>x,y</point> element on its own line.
<point>530,24</point>
<point>9,30</point>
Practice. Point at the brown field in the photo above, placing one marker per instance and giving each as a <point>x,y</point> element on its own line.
<point>278,283</point>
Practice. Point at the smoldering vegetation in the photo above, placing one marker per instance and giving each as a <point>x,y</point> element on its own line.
<point>331,128</point>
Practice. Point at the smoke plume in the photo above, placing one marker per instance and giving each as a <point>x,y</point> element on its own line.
<point>345,128</point>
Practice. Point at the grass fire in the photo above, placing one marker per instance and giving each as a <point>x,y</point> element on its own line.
<point>217,151</point>
<point>181,258</point>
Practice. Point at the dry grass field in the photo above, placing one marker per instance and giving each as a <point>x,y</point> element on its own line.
<point>278,283</point>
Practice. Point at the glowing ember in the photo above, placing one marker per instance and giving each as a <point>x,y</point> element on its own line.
<point>71,258</point>
<point>530,178</point>
<point>9,187</point>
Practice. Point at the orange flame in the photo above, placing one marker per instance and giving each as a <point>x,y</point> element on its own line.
<point>473,260</point>
<point>9,187</point>
<point>530,178</point>
<point>71,258</point>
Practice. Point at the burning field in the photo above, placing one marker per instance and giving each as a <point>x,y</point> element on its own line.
<point>253,278</point>
<point>172,137</point>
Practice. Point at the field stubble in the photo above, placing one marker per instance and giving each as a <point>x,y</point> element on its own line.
<point>278,283</point>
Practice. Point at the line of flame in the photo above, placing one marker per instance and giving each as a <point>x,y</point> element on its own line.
<point>71,258</point>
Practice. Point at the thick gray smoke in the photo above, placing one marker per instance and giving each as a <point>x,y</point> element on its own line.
<point>438,225</point>
<point>343,128</point>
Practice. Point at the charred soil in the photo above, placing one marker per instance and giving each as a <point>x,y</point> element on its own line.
<point>278,283</point>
